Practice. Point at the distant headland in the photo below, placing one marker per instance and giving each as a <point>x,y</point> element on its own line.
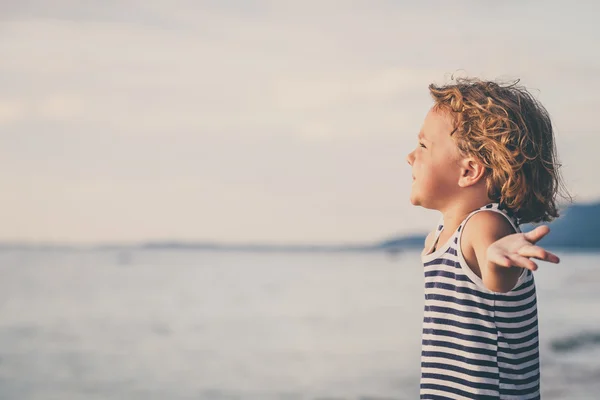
<point>576,229</point>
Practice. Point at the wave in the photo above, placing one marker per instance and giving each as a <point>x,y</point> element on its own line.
<point>576,342</point>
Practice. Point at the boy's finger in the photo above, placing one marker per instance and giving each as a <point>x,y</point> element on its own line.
<point>550,257</point>
<point>537,233</point>
<point>500,260</point>
<point>523,262</point>
<point>539,253</point>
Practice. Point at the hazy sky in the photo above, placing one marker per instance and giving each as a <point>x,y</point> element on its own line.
<point>255,121</point>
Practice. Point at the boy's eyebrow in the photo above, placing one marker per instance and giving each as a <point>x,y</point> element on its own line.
<point>422,136</point>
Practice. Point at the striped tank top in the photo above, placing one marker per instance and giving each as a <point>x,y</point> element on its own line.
<point>477,344</point>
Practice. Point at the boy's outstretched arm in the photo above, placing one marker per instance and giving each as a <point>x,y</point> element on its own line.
<point>497,254</point>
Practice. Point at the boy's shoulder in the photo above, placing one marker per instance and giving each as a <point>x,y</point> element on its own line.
<point>486,224</point>
<point>429,241</point>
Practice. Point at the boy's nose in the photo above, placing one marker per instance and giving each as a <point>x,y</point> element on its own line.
<point>410,158</point>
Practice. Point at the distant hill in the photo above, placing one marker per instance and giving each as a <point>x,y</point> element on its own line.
<point>402,243</point>
<point>577,228</point>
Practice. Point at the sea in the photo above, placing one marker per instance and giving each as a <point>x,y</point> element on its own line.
<point>174,324</point>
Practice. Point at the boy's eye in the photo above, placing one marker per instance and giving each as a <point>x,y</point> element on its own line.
<point>422,145</point>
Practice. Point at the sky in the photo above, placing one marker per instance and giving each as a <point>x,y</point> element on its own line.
<point>254,121</point>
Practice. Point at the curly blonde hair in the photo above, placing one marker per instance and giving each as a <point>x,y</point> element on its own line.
<point>510,133</point>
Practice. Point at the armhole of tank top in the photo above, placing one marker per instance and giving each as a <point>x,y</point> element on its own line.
<point>465,266</point>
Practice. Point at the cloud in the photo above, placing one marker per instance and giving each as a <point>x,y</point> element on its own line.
<point>61,107</point>
<point>292,117</point>
<point>10,111</point>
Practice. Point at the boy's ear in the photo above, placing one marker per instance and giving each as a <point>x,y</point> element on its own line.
<point>471,172</point>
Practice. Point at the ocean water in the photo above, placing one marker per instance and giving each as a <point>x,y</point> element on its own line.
<point>173,324</point>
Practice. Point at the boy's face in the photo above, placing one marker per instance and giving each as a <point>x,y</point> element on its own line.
<point>435,167</point>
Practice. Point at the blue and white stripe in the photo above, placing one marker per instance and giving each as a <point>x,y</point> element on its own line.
<point>477,344</point>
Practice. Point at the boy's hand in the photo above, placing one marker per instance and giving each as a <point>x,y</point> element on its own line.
<point>516,249</point>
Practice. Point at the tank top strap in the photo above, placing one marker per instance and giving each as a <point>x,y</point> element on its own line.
<point>440,228</point>
<point>436,236</point>
<point>493,207</point>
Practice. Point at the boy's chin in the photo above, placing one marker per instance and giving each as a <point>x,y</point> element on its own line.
<point>418,201</point>
<point>414,200</point>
